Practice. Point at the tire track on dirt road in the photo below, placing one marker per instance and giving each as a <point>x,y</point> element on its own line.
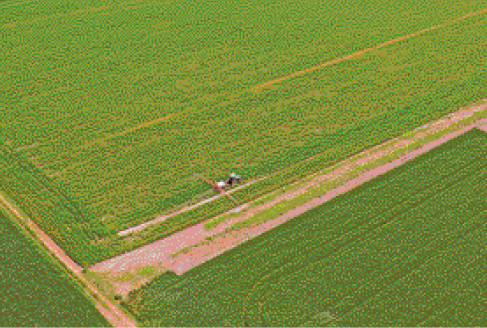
<point>114,315</point>
<point>364,51</point>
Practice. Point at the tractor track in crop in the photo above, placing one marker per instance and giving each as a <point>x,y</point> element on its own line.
<point>364,51</point>
<point>162,218</point>
<point>112,313</point>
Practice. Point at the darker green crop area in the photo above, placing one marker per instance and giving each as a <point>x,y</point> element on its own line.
<point>404,249</point>
<point>35,291</point>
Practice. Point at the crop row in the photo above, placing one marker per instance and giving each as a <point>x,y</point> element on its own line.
<point>465,308</point>
<point>430,287</point>
<point>375,266</point>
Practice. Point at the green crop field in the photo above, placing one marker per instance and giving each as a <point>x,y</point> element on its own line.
<point>36,291</point>
<point>206,53</point>
<point>86,174</point>
<point>404,249</point>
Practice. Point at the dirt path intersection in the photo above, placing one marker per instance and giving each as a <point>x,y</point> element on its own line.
<point>112,313</point>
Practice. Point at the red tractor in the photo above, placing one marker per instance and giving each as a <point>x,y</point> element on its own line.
<point>221,185</point>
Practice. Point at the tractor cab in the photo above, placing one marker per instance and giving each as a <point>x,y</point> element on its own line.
<point>234,178</point>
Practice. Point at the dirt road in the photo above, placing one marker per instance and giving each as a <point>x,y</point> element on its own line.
<point>195,238</point>
<point>112,313</point>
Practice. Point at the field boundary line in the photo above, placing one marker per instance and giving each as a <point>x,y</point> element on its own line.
<point>364,51</point>
<point>112,313</point>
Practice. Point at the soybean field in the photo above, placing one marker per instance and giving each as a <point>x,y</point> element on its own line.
<point>36,291</point>
<point>404,249</point>
<point>201,53</point>
<point>85,174</point>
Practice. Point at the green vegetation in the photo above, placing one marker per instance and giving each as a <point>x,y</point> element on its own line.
<point>86,174</point>
<point>201,53</point>
<point>35,290</point>
<point>317,191</point>
<point>83,175</point>
<point>405,249</point>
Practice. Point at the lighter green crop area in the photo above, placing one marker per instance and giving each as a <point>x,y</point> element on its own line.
<point>86,174</point>
<point>36,291</point>
<point>404,249</point>
<point>207,53</point>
